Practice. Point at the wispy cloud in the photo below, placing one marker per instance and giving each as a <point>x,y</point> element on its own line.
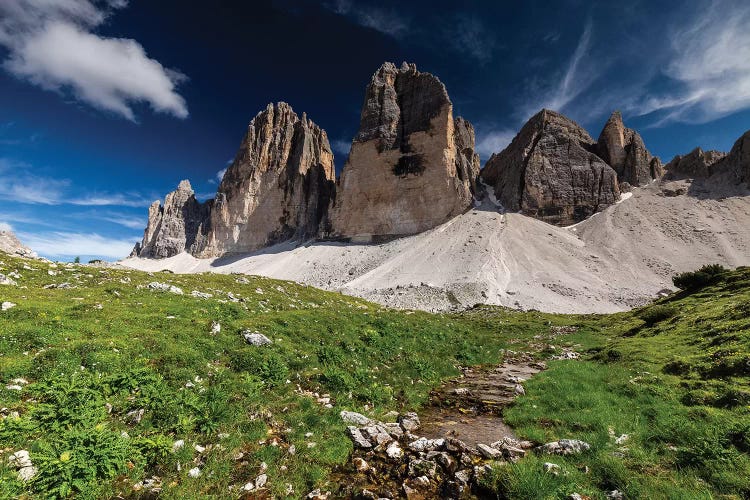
<point>388,22</point>
<point>63,244</point>
<point>468,35</point>
<point>110,199</point>
<point>121,219</point>
<point>709,66</point>
<point>52,45</point>
<point>491,141</point>
<point>573,81</point>
<point>19,183</point>
<point>219,176</point>
<point>4,226</point>
<point>341,146</point>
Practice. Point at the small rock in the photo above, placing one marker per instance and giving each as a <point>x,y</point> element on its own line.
<point>7,305</point>
<point>134,417</point>
<point>255,338</point>
<point>615,495</point>
<point>13,387</point>
<point>199,448</point>
<point>318,495</point>
<point>394,451</point>
<point>360,464</point>
<point>261,481</point>
<point>200,295</point>
<point>551,468</point>
<point>354,418</point>
<point>564,447</point>
<point>463,476</point>
<point>575,496</point>
<point>5,280</point>
<point>394,430</point>
<point>422,481</point>
<point>409,422</point>
<point>194,472</point>
<point>357,438</point>
<point>425,445</point>
<point>178,445</point>
<point>419,467</point>
<point>518,389</point>
<point>489,452</point>
<point>622,439</point>
<point>249,486</point>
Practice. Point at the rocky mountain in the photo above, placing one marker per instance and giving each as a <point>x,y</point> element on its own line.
<point>697,163</point>
<point>733,167</point>
<point>179,225</point>
<point>549,172</point>
<point>737,162</point>
<point>10,244</point>
<point>412,165</point>
<point>278,187</point>
<point>623,149</point>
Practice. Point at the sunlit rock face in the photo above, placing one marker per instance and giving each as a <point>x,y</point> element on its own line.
<point>411,167</point>
<point>277,188</point>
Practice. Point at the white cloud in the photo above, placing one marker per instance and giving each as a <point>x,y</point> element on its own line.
<point>119,218</point>
<point>61,244</point>
<point>51,44</point>
<point>576,79</point>
<point>493,141</point>
<point>4,226</point>
<point>341,146</point>
<point>110,199</point>
<point>385,21</point>
<point>220,174</point>
<point>20,184</point>
<point>709,66</point>
<point>218,177</point>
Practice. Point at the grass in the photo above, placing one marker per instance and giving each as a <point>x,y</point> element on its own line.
<point>97,354</point>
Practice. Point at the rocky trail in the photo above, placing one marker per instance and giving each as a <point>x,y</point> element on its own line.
<point>443,451</point>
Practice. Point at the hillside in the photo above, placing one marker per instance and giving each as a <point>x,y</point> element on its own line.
<point>117,385</point>
<point>613,261</point>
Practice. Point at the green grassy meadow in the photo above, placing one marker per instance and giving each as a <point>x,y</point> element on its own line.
<point>118,373</point>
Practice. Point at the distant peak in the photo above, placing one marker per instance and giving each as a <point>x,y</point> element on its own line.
<point>185,186</point>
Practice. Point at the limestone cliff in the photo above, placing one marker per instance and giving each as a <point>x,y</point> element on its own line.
<point>278,186</point>
<point>623,149</point>
<point>179,225</point>
<point>411,167</point>
<point>550,172</point>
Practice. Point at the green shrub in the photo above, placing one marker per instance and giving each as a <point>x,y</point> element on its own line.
<point>657,313</point>
<point>698,279</point>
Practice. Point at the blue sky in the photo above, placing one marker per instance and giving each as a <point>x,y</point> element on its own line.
<point>106,105</point>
